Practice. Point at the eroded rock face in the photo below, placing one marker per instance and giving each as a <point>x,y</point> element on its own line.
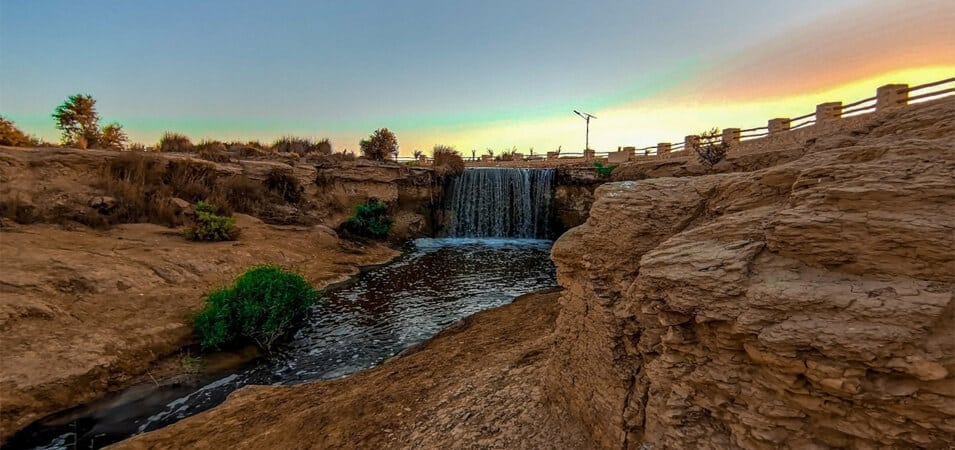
<point>806,305</point>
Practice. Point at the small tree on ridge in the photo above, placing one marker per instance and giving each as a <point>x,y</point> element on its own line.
<point>78,120</point>
<point>380,145</point>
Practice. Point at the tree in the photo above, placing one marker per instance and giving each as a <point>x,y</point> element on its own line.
<point>78,121</point>
<point>113,137</point>
<point>380,145</point>
<point>417,154</point>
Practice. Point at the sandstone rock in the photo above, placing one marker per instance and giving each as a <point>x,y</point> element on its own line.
<point>804,305</point>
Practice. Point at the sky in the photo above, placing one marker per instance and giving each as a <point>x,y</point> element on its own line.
<point>474,75</point>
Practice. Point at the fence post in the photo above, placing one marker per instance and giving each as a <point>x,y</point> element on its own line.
<point>891,96</point>
<point>663,148</point>
<point>631,152</point>
<point>691,142</point>
<point>778,125</point>
<point>731,136</point>
<point>828,112</point>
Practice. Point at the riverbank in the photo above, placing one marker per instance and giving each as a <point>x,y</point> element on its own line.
<point>476,382</point>
<point>87,312</point>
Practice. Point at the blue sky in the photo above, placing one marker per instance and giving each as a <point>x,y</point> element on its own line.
<point>431,70</point>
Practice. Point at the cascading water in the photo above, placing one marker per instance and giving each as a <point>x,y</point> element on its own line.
<point>505,203</point>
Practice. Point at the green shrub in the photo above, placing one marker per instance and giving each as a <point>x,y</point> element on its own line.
<point>604,171</point>
<point>370,219</point>
<point>211,227</point>
<point>262,305</point>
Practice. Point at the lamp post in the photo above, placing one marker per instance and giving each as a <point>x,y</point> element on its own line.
<point>587,118</point>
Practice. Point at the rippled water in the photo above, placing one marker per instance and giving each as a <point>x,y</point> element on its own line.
<point>384,311</point>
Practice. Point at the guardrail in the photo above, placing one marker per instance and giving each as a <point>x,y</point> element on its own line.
<point>887,97</point>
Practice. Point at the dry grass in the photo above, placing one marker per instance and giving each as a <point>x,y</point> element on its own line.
<point>175,142</point>
<point>214,151</point>
<point>143,187</point>
<point>284,184</point>
<point>244,195</point>
<point>447,161</point>
<point>302,146</point>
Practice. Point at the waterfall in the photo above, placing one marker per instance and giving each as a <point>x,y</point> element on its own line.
<point>496,202</point>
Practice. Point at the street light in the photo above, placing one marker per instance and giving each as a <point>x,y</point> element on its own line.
<point>586,117</point>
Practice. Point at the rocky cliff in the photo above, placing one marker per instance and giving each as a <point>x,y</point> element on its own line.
<point>804,305</point>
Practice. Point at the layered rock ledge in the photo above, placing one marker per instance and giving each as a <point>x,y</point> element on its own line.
<point>804,305</point>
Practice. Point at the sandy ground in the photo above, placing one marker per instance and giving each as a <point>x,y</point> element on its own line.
<point>477,384</point>
<point>85,312</point>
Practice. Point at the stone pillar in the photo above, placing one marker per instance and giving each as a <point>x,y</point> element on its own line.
<point>691,142</point>
<point>663,148</point>
<point>731,136</point>
<point>590,154</point>
<point>631,152</point>
<point>891,96</point>
<point>828,112</point>
<point>778,125</point>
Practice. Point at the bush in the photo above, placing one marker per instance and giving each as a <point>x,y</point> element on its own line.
<point>211,227</point>
<point>711,149</point>
<point>214,151</point>
<point>11,135</point>
<point>447,161</point>
<point>603,170</point>
<point>175,142</point>
<point>381,145</point>
<point>262,305</point>
<point>113,137</point>
<point>370,219</point>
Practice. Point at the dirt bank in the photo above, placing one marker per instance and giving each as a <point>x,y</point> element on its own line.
<point>85,312</point>
<point>475,385</point>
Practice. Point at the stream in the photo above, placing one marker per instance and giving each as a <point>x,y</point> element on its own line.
<point>359,325</point>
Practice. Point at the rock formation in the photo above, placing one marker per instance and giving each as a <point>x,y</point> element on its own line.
<point>803,305</point>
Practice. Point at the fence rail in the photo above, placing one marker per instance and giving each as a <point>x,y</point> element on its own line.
<point>888,96</point>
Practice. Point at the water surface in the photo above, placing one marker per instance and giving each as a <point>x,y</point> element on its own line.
<point>435,283</point>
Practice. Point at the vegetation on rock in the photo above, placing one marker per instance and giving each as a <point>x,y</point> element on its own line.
<point>447,161</point>
<point>262,305</point>
<point>302,146</point>
<point>603,170</point>
<point>370,219</point>
<point>175,142</point>
<point>210,226</point>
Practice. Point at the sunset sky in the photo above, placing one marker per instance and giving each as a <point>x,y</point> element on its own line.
<point>475,75</point>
